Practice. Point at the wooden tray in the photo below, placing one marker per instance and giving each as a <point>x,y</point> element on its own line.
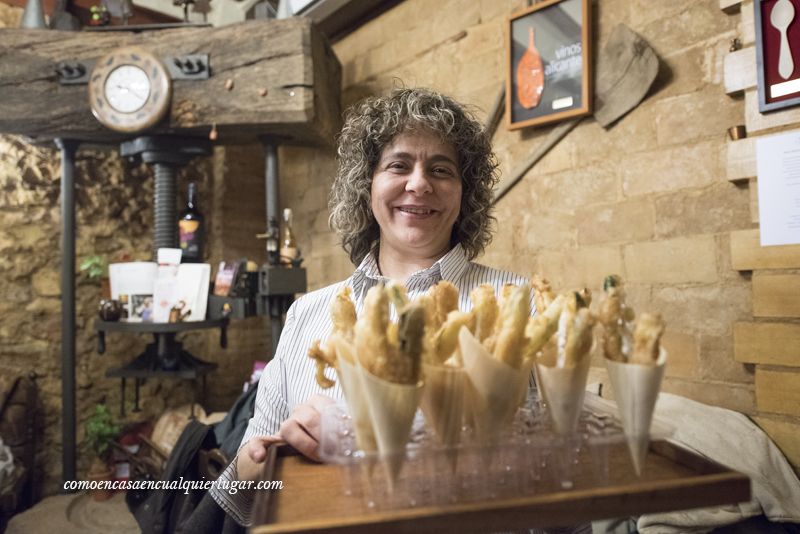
<point>674,479</point>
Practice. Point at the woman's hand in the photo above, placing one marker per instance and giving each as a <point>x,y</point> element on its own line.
<point>302,429</point>
<point>252,456</point>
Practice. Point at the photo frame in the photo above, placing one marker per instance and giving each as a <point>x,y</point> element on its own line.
<point>777,25</point>
<point>549,63</point>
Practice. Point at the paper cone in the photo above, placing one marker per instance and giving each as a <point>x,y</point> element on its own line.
<point>493,391</point>
<point>636,389</point>
<point>391,408</point>
<point>443,406</point>
<point>563,389</point>
<point>443,401</point>
<point>356,401</point>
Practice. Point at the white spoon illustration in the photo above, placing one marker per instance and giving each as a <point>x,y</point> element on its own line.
<point>781,17</point>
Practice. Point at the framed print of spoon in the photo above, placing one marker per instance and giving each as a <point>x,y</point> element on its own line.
<point>783,15</point>
<point>777,28</point>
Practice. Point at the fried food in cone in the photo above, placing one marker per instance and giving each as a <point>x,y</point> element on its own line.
<point>349,371</point>
<point>445,341</point>
<point>391,408</point>
<point>511,334</point>
<point>646,338</point>
<point>636,388</point>
<point>562,365</point>
<point>485,310</point>
<point>494,388</point>
<point>343,317</point>
<point>443,401</point>
<point>613,315</point>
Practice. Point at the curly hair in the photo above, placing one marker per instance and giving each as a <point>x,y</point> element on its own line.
<point>373,124</point>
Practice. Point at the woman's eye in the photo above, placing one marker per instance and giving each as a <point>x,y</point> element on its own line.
<point>444,171</point>
<point>397,165</point>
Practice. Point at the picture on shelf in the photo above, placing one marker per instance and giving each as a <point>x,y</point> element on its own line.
<point>141,308</point>
<point>226,276</point>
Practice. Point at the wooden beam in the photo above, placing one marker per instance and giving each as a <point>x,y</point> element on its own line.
<point>775,295</point>
<point>747,24</point>
<point>741,159</point>
<point>753,189</point>
<point>777,391</point>
<point>740,70</point>
<point>285,82</point>
<point>748,254</point>
<point>730,6</point>
<point>784,432</point>
<point>767,343</point>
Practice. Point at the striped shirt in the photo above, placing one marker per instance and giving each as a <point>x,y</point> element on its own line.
<point>289,380</point>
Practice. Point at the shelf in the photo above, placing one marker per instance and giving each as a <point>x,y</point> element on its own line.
<point>158,328</point>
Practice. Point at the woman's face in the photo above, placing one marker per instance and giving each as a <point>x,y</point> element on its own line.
<point>416,194</point>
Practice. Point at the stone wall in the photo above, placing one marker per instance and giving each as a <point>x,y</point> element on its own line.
<point>114,218</point>
<point>648,198</point>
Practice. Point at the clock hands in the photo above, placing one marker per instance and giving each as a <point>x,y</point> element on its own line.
<point>129,90</point>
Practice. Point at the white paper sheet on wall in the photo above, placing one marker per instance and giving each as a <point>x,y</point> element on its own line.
<point>778,158</point>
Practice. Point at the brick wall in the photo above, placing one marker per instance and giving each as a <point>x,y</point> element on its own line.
<point>658,198</point>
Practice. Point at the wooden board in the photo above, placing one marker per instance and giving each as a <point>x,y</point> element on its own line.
<point>777,391</point>
<point>784,433</point>
<point>730,6</point>
<point>767,343</point>
<point>740,70</point>
<point>748,254</point>
<point>741,159</point>
<point>776,295</point>
<point>312,498</point>
<point>288,58</point>
<point>747,24</point>
<point>753,190</point>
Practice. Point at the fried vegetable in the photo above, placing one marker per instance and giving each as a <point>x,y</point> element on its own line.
<point>397,295</point>
<point>541,328</point>
<point>446,339</point>
<point>406,367</point>
<point>445,300</point>
<point>511,335</point>
<point>485,310</point>
<point>343,313</point>
<point>323,360</point>
<point>371,339</point>
<point>343,317</point>
<point>579,338</point>
<point>646,338</point>
<point>544,294</point>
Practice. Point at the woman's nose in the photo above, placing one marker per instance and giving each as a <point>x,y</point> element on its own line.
<point>419,182</point>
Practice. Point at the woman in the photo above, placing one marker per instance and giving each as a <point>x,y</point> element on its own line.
<point>411,202</point>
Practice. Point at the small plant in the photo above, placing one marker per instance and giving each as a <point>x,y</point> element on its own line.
<point>101,430</point>
<point>94,267</point>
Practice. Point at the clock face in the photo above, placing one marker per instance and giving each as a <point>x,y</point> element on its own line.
<point>129,90</point>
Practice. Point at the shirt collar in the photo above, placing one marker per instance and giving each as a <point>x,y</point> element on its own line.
<point>449,267</point>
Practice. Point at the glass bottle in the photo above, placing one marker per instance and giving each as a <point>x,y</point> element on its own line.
<point>288,243</point>
<point>273,252</point>
<point>191,229</point>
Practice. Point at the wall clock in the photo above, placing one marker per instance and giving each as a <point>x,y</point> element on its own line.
<point>129,90</point>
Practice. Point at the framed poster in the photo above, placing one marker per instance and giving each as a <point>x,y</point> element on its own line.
<point>777,53</point>
<point>548,57</point>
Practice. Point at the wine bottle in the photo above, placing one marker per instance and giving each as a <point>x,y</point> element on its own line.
<point>273,252</point>
<point>191,228</point>
<point>288,244</point>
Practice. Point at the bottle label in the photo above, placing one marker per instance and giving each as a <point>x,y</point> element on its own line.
<point>190,238</point>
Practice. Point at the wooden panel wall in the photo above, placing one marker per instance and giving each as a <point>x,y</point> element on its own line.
<point>771,341</point>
